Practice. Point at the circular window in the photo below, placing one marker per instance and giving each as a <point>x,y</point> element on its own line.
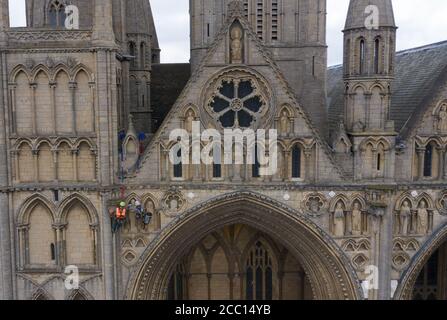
<point>237,103</point>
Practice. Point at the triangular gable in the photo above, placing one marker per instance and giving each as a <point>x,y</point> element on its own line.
<point>258,55</point>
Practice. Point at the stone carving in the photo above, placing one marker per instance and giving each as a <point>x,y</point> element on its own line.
<point>314,205</point>
<point>422,218</point>
<point>442,204</point>
<point>173,201</point>
<point>442,119</point>
<point>357,227</point>
<point>53,35</point>
<point>189,119</point>
<point>284,122</point>
<point>339,220</point>
<point>404,218</point>
<point>236,44</point>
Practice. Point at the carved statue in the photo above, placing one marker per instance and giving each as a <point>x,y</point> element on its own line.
<point>339,220</point>
<point>422,218</point>
<point>284,122</point>
<point>356,220</point>
<point>189,120</point>
<point>442,124</point>
<point>236,44</point>
<point>404,216</point>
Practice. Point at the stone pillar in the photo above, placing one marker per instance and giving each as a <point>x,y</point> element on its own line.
<point>445,165</point>
<point>107,249</point>
<point>6,262</point>
<point>421,160</point>
<point>441,153</point>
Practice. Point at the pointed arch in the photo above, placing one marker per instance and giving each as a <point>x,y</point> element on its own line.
<point>64,111</point>
<point>339,198</point>
<point>30,203</point>
<point>72,199</point>
<point>334,271</point>
<point>41,294</point>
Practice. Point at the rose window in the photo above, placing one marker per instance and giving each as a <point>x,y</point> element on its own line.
<point>237,103</point>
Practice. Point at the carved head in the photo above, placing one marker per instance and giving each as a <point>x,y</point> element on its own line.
<point>406,204</point>
<point>356,206</point>
<point>236,33</point>
<point>423,204</point>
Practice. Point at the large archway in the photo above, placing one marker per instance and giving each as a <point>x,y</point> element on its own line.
<point>329,273</point>
<point>426,276</point>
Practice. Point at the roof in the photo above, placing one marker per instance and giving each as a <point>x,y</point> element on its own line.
<point>418,74</point>
<point>168,81</point>
<point>359,11</point>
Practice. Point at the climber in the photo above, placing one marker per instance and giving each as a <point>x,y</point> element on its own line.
<point>147,217</point>
<point>120,216</point>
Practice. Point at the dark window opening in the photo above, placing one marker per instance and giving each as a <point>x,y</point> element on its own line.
<point>376,56</point>
<point>259,274</point>
<point>379,162</point>
<point>296,162</point>
<point>256,165</point>
<point>362,56</point>
<point>178,168</point>
<point>176,287</point>
<point>428,161</point>
<point>56,195</point>
<point>53,252</point>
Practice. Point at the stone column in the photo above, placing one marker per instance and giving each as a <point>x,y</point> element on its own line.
<point>445,165</point>
<point>441,153</point>
<point>107,249</point>
<point>6,252</point>
<point>421,159</point>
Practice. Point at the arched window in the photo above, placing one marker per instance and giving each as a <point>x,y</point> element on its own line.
<point>259,274</point>
<point>296,162</point>
<point>256,165</point>
<point>178,168</point>
<point>56,14</point>
<point>132,53</point>
<point>177,285</point>
<point>217,164</point>
<point>428,160</point>
<point>142,55</point>
<point>377,56</point>
<point>362,56</point>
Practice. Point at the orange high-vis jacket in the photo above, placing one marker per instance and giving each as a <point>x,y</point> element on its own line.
<point>120,214</point>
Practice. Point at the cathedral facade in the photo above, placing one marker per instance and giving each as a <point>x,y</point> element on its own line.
<point>356,210</point>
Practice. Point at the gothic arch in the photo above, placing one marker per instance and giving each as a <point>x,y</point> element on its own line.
<point>337,199</point>
<point>16,71</point>
<point>79,294</point>
<point>28,206</point>
<point>37,70</point>
<point>41,294</point>
<point>409,277</point>
<point>428,199</point>
<point>406,197</point>
<point>71,200</point>
<point>330,274</point>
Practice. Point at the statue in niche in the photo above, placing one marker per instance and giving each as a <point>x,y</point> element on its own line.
<point>190,118</point>
<point>404,218</point>
<point>442,118</point>
<point>422,218</point>
<point>339,220</point>
<point>357,219</point>
<point>236,44</point>
<point>284,122</point>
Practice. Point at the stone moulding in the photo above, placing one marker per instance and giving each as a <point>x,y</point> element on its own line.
<point>49,35</point>
<point>151,273</point>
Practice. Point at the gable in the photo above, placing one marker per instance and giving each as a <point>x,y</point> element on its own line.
<point>233,56</point>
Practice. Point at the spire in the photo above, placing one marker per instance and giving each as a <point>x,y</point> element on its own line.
<point>362,11</point>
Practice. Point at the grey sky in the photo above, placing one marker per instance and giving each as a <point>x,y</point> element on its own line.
<point>420,22</point>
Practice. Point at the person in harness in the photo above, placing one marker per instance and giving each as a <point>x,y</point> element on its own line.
<point>120,216</point>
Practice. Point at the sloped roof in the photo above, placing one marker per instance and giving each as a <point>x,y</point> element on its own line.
<point>418,74</point>
<point>168,81</point>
